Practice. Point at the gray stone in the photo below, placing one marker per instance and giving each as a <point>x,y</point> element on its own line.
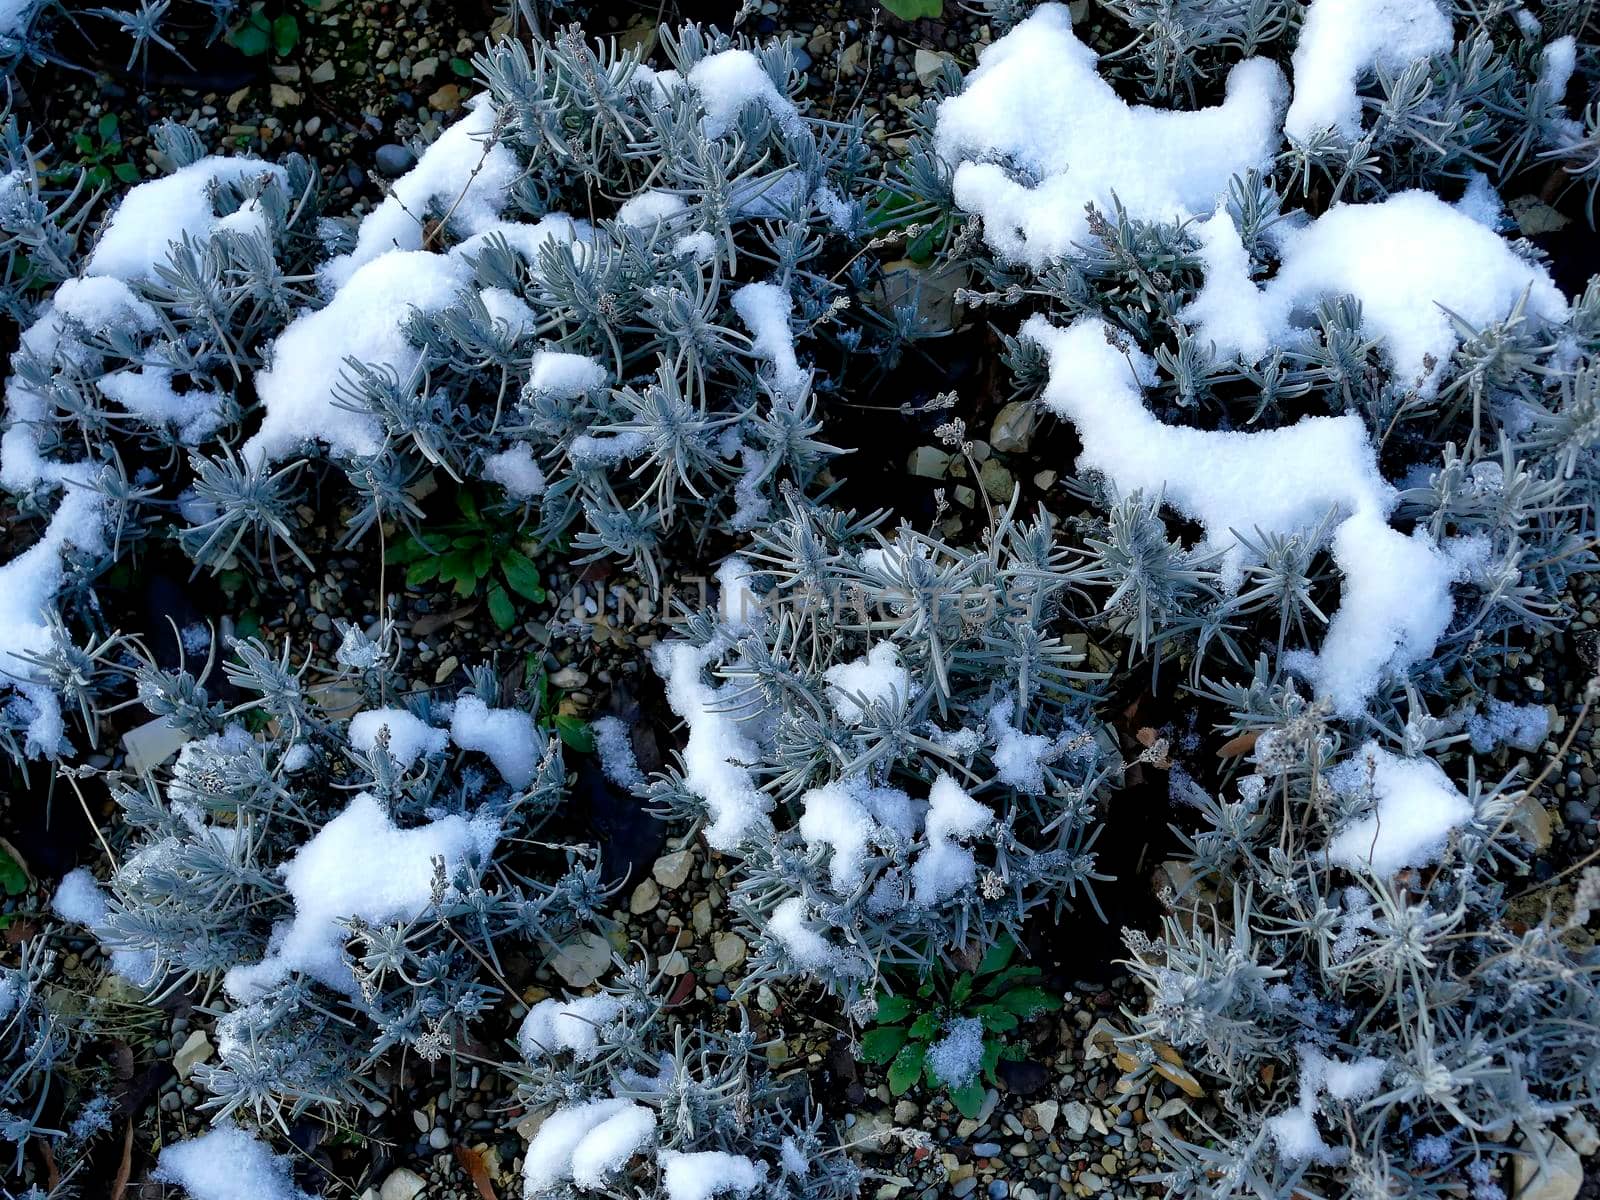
<point>438,1138</point>
<point>1551,1170</point>
<point>402,1185</point>
<point>1013,427</point>
<point>394,159</point>
<point>728,949</point>
<point>928,65</point>
<point>928,462</point>
<point>1045,1113</point>
<point>645,897</point>
<point>152,743</point>
<point>1077,1114</point>
<point>583,960</point>
<point>196,1049</point>
<point>672,869</point>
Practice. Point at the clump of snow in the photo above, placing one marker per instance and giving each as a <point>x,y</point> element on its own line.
<point>28,585</point>
<point>607,1147</point>
<point>1020,758</point>
<point>148,394</point>
<point>1415,808</point>
<point>1406,260</point>
<point>584,1143</point>
<point>159,212</point>
<point>573,1025</point>
<point>956,1057</point>
<point>1502,723</point>
<point>718,752</point>
<point>1036,134</point>
<point>732,79</point>
<point>615,748</point>
<point>945,867</point>
<point>563,376</point>
<point>1344,41</point>
<point>515,470</point>
<point>878,678</point>
<point>94,305</point>
<point>507,735</point>
<point>410,737</point>
<point>705,1174</point>
<point>358,865</point>
<point>1396,598</point>
<point>226,1163</point>
<point>366,321</point>
<point>17,15</point>
<point>650,208</point>
<point>466,172</point>
<point>79,899</point>
<point>737,603</point>
<point>808,947</point>
<point>766,308</point>
<point>1295,1132</point>
<point>834,816</point>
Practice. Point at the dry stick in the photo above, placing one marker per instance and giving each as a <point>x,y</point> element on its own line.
<point>1549,766</point>
<point>104,845</point>
<point>429,235</point>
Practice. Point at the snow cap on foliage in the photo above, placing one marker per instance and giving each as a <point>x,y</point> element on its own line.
<point>708,1174</point>
<point>1395,602</point>
<point>358,865</point>
<point>82,901</point>
<point>878,678</point>
<point>614,744</point>
<point>729,80</point>
<point>94,305</point>
<point>410,737</point>
<point>148,394</point>
<point>28,586</point>
<point>584,1144</point>
<point>1294,1132</point>
<point>507,735</point>
<point>365,320</point>
<point>226,1163</point>
<point>788,925</point>
<point>1036,134</point>
<point>738,603</point>
<point>1415,808</point>
<point>766,308</point>
<point>718,752</point>
<point>572,1025</point>
<point>515,470</point>
<point>1344,41</point>
<point>945,867</point>
<point>650,208</point>
<point>957,1056</point>
<point>465,172</point>
<point>159,212</point>
<point>834,816</point>
<point>1406,259</point>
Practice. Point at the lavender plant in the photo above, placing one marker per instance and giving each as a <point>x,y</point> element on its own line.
<point>631,1097</point>
<point>894,739</point>
<point>348,872</point>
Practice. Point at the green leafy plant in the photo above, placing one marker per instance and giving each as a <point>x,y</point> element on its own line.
<point>101,154</point>
<point>13,875</point>
<point>479,553</point>
<point>1000,993</point>
<point>572,729</point>
<point>259,33</point>
<point>912,10</point>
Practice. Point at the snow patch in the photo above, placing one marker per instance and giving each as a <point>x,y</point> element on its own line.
<point>1036,134</point>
